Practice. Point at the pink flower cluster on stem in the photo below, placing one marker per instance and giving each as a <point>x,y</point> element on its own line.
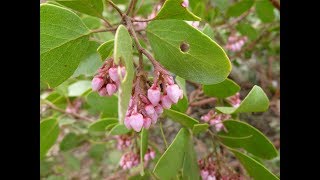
<point>207,169</point>
<point>235,43</point>
<point>129,160</point>
<point>234,100</point>
<point>107,80</point>
<point>146,106</point>
<point>123,141</point>
<point>149,155</point>
<point>215,119</point>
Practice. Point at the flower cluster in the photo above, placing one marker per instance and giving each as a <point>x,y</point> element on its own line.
<point>234,100</point>
<point>150,154</point>
<point>146,106</point>
<point>207,169</point>
<point>235,43</point>
<point>123,141</point>
<point>129,160</point>
<point>215,119</point>
<point>107,81</point>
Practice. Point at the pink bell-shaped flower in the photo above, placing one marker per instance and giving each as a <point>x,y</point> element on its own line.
<point>174,92</point>
<point>136,121</point>
<point>113,73</point>
<point>97,83</point>
<point>154,95</point>
<point>103,91</point>
<point>111,88</point>
<point>166,102</point>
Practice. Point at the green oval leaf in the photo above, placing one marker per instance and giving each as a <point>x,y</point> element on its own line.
<point>190,167</point>
<point>165,168</point>
<point>181,118</point>
<point>264,10</point>
<point>106,49</point>
<point>90,7</point>
<point>63,43</point>
<point>240,7</point>
<point>254,168</point>
<point>123,52</point>
<point>200,128</point>
<point>247,30</point>
<point>49,132</point>
<point>119,129</point>
<point>106,105</point>
<point>110,126</point>
<point>255,101</point>
<point>71,141</point>
<point>205,62</point>
<point>172,9</point>
<point>79,87</point>
<point>143,147</point>
<point>255,143</point>
<point>221,90</point>
<point>99,127</point>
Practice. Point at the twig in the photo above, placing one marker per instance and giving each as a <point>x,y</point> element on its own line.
<point>131,7</point>
<point>276,4</point>
<point>203,102</point>
<point>106,21</point>
<point>52,106</point>
<point>115,7</point>
<point>141,20</point>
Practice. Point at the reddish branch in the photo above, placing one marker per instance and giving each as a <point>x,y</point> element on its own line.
<point>276,4</point>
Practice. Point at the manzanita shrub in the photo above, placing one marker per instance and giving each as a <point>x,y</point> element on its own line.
<point>112,72</point>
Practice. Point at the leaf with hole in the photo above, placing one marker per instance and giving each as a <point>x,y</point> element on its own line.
<point>242,135</point>
<point>181,118</point>
<point>221,90</point>
<point>255,101</point>
<point>106,49</point>
<point>172,9</point>
<point>90,7</point>
<point>165,169</point>
<point>205,61</point>
<point>99,127</point>
<point>107,104</point>
<point>49,131</point>
<point>123,52</point>
<point>240,7</point>
<point>64,42</point>
<point>254,168</point>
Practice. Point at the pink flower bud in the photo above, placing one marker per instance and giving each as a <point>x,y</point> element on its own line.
<point>123,71</point>
<point>146,157</point>
<point>185,3</point>
<point>111,88</point>
<point>136,121</point>
<point>174,92</point>
<point>97,83</point>
<point>154,117</point>
<point>205,118</point>
<point>154,95</point>
<point>204,174</point>
<point>211,177</point>
<point>166,102</point>
<point>152,154</point>
<point>127,122</point>
<point>146,123</point>
<point>113,73</point>
<point>158,109</point>
<point>219,126</point>
<point>150,110</point>
<point>169,80</point>
<point>103,91</point>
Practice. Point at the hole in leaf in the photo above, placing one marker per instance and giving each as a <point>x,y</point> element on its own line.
<point>184,47</point>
